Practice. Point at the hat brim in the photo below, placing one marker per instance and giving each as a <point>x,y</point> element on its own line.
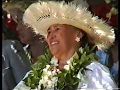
<point>101,34</point>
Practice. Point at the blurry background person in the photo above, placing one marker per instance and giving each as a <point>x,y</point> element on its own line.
<point>113,63</point>
<point>15,63</point>
<point>9,26</point>
<point>105,9</point>
<point>14,14</point>
<point>24,35</point>
<point>114,67</point>
<point>35,43</point>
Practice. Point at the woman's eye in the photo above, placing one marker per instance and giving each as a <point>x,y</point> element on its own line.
<point>57,29</point>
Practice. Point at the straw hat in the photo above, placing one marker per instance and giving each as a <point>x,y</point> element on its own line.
<point>41,15</point>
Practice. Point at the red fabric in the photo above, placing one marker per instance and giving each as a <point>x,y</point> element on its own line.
<point>114,21</point>
<point>101,10</point>
<point>11,24</point>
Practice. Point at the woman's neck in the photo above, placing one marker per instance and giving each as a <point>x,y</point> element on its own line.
<point>63,61</point>
<point>65,57</point>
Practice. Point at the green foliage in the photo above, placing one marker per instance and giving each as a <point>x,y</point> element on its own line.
<point>68,79</point>
<point>33,78</point>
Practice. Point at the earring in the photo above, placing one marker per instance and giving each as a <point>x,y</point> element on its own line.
<point>77,39</point>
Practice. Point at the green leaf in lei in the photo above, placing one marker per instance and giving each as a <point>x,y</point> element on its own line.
<point>67,79</point>
<point>33,78</point>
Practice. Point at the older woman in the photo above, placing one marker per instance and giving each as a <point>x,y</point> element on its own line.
<point>72,63</point>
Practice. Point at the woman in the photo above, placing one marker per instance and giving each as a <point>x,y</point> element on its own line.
<point>73,64</point>
<point>35,43</point>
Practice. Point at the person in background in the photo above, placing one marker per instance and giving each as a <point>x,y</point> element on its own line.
<point>26,37</point>
<point>114,69</point>
<point>14,14</point>
<point>15,63</point>
<point>109,10</point>
<point>9,26</point>
<point>113,63</point>
<point>35,43</point>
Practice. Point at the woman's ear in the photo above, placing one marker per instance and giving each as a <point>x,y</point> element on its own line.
<point>78,36</point>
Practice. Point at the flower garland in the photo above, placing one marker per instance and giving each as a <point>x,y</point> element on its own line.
<point>45,73</point>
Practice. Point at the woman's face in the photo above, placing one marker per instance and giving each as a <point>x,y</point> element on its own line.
<point>61,38</point>
<point>25,34</point>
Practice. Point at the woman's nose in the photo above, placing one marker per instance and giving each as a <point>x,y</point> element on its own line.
<point>53,35</point>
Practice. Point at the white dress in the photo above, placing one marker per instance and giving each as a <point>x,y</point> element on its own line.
<point>96,77</point>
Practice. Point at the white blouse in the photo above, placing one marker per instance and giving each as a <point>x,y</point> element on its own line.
<point>97,77</point>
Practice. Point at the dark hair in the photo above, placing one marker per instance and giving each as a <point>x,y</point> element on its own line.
<point>87,40</point>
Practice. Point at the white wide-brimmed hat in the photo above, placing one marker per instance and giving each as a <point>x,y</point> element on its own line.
<point>41,15</point>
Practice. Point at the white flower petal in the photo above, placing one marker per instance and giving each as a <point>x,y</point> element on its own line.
<point>66,67</point>
<point>47,66</point>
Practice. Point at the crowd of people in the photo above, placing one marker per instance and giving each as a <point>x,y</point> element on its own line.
<point>28,35</point>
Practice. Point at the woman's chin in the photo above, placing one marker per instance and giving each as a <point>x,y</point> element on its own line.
<point>54,52</point>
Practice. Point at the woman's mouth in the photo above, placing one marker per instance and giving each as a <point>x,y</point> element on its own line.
<point>53,43</point>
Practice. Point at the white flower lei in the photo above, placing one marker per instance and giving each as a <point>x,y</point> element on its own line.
<point>49,80</point>
<point>46,75</point>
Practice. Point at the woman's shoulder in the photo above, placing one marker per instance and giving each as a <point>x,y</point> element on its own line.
<point>97,66</point>
<point>98,76</point>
